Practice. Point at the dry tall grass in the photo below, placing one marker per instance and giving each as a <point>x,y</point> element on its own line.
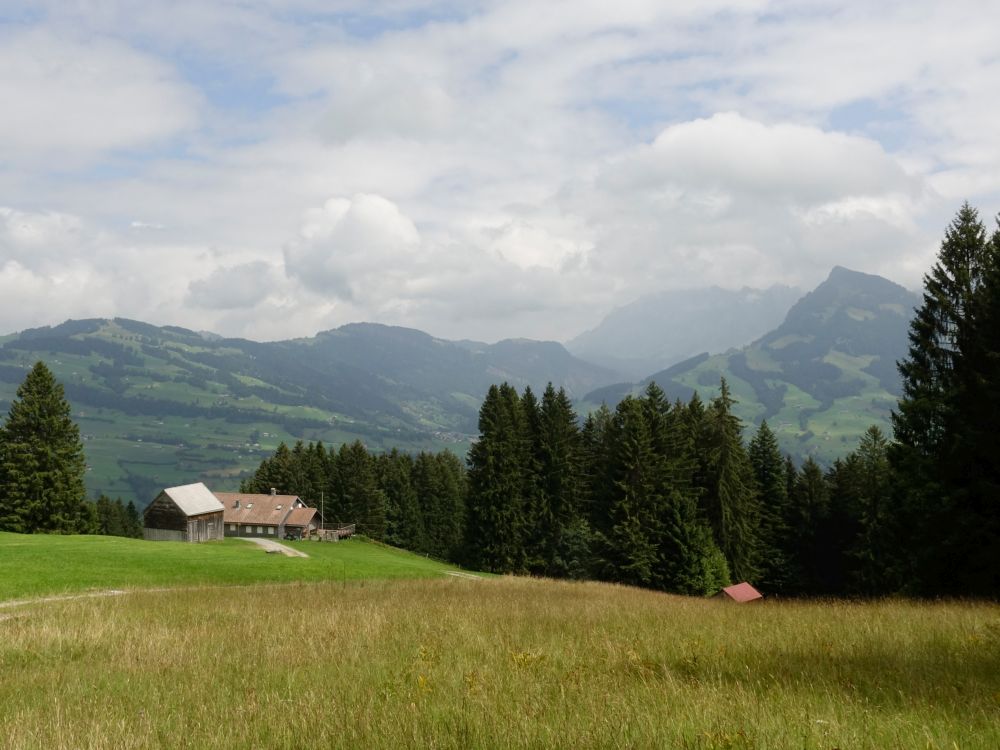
<point>502,663</point>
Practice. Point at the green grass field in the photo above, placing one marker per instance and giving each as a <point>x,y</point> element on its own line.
<point>499,663</point>
<point>35,565</point>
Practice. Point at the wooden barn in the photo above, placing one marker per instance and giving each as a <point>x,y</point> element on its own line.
<point>189,513</point>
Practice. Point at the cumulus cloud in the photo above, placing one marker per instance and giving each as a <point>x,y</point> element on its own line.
<point>499,168</point>
<point>68,101</point>
<point>347,242</point>
<point>731,200</point>
<point>234,287</point>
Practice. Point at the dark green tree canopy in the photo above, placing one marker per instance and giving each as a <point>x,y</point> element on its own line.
<point>41,461</point>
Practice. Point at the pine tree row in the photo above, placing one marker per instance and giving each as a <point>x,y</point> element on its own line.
<point>668,496</point>
<point>414,502</point>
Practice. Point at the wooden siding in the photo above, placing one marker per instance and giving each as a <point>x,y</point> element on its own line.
<point>162,535</point>
<point>205,528</point>
<point>164,514</point>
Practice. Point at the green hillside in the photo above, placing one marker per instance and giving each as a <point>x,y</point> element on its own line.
<point>43,564</point>
<point>164,405</point>
<point>820,378</point>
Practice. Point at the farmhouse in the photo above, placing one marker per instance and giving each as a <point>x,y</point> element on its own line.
<point>267,515</point>
<point>189,513</point>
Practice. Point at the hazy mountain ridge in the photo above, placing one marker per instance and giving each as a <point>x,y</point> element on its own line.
<point>162,404</point>
<point>821,377</point>
<point>659,330</point>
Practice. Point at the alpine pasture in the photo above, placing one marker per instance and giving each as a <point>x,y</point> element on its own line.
<point>359,660</point>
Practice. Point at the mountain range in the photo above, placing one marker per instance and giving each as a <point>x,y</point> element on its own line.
<point>162,405</point>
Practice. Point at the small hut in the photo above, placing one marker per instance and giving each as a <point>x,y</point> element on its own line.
<point>740,593</point>
<point>189,513</point>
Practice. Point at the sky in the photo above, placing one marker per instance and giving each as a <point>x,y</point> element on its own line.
<point>269,169</point>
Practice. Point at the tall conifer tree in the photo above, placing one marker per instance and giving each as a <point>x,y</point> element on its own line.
<point>730,497</point>
<point>769,474</point>
<point>41,461</point>
<point>497,517</point>
<point>930,414</point>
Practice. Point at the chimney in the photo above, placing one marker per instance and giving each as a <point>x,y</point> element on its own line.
<point>274,491</point>
<point>237,503</point>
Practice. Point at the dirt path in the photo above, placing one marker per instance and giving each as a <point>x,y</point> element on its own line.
<point>272,546</point>
<point>61,598</point>
<point>460,574</point>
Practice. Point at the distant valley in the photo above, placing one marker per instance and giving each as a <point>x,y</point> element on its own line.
<point>165,405</point>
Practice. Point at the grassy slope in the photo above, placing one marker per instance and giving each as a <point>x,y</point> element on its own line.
<point>33,565</point>
<point>803,425</point>
<point>504,663</point>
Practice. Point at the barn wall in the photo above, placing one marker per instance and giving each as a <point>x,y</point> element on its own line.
<point>162,535</point>
<point>162,513</point>
<point>205,528</point>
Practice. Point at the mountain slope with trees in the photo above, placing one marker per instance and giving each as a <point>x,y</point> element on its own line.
<point>164,405</point>
<point>820,378</point>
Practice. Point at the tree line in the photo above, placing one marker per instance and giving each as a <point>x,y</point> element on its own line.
<point>413,502</point>
<point>669,496</point>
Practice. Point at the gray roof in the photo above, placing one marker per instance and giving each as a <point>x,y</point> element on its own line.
<point>194,499</point>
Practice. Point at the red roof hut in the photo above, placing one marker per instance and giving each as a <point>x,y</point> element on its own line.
<point>740,592</point>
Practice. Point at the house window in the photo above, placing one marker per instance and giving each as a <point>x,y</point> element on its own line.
<point>260,529</point>
<point>270,530</point>
<point>232,527</point>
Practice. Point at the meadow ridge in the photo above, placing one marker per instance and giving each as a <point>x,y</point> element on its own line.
<point>508,662</point>
<point>41,564</point>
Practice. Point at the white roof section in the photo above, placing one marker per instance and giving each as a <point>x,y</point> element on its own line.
<point>194,499</point>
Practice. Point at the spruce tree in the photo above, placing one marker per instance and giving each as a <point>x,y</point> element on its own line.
<point>560,482</point>
<point>497,513</point>
<point>930,413</point>
<point>730,498</point>
<point>690,562</point>
<point>359,499</point>
<point>809,507</point>
<point>42,465</point>
<point>627,542</point>
<point>877,566</point>
<point>404,521</point>
<point>772,490</point>
<point>972,465</point>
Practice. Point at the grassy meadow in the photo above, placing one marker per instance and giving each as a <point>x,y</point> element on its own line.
<point>41,564</point>
<point>504,662</point>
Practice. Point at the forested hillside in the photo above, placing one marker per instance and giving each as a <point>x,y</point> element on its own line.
<point>164,405</point>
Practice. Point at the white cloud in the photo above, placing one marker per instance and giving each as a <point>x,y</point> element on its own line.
<point>68,101</point>
<point>235,287</point>
<point>500,168</point>
<point>348,244</point>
